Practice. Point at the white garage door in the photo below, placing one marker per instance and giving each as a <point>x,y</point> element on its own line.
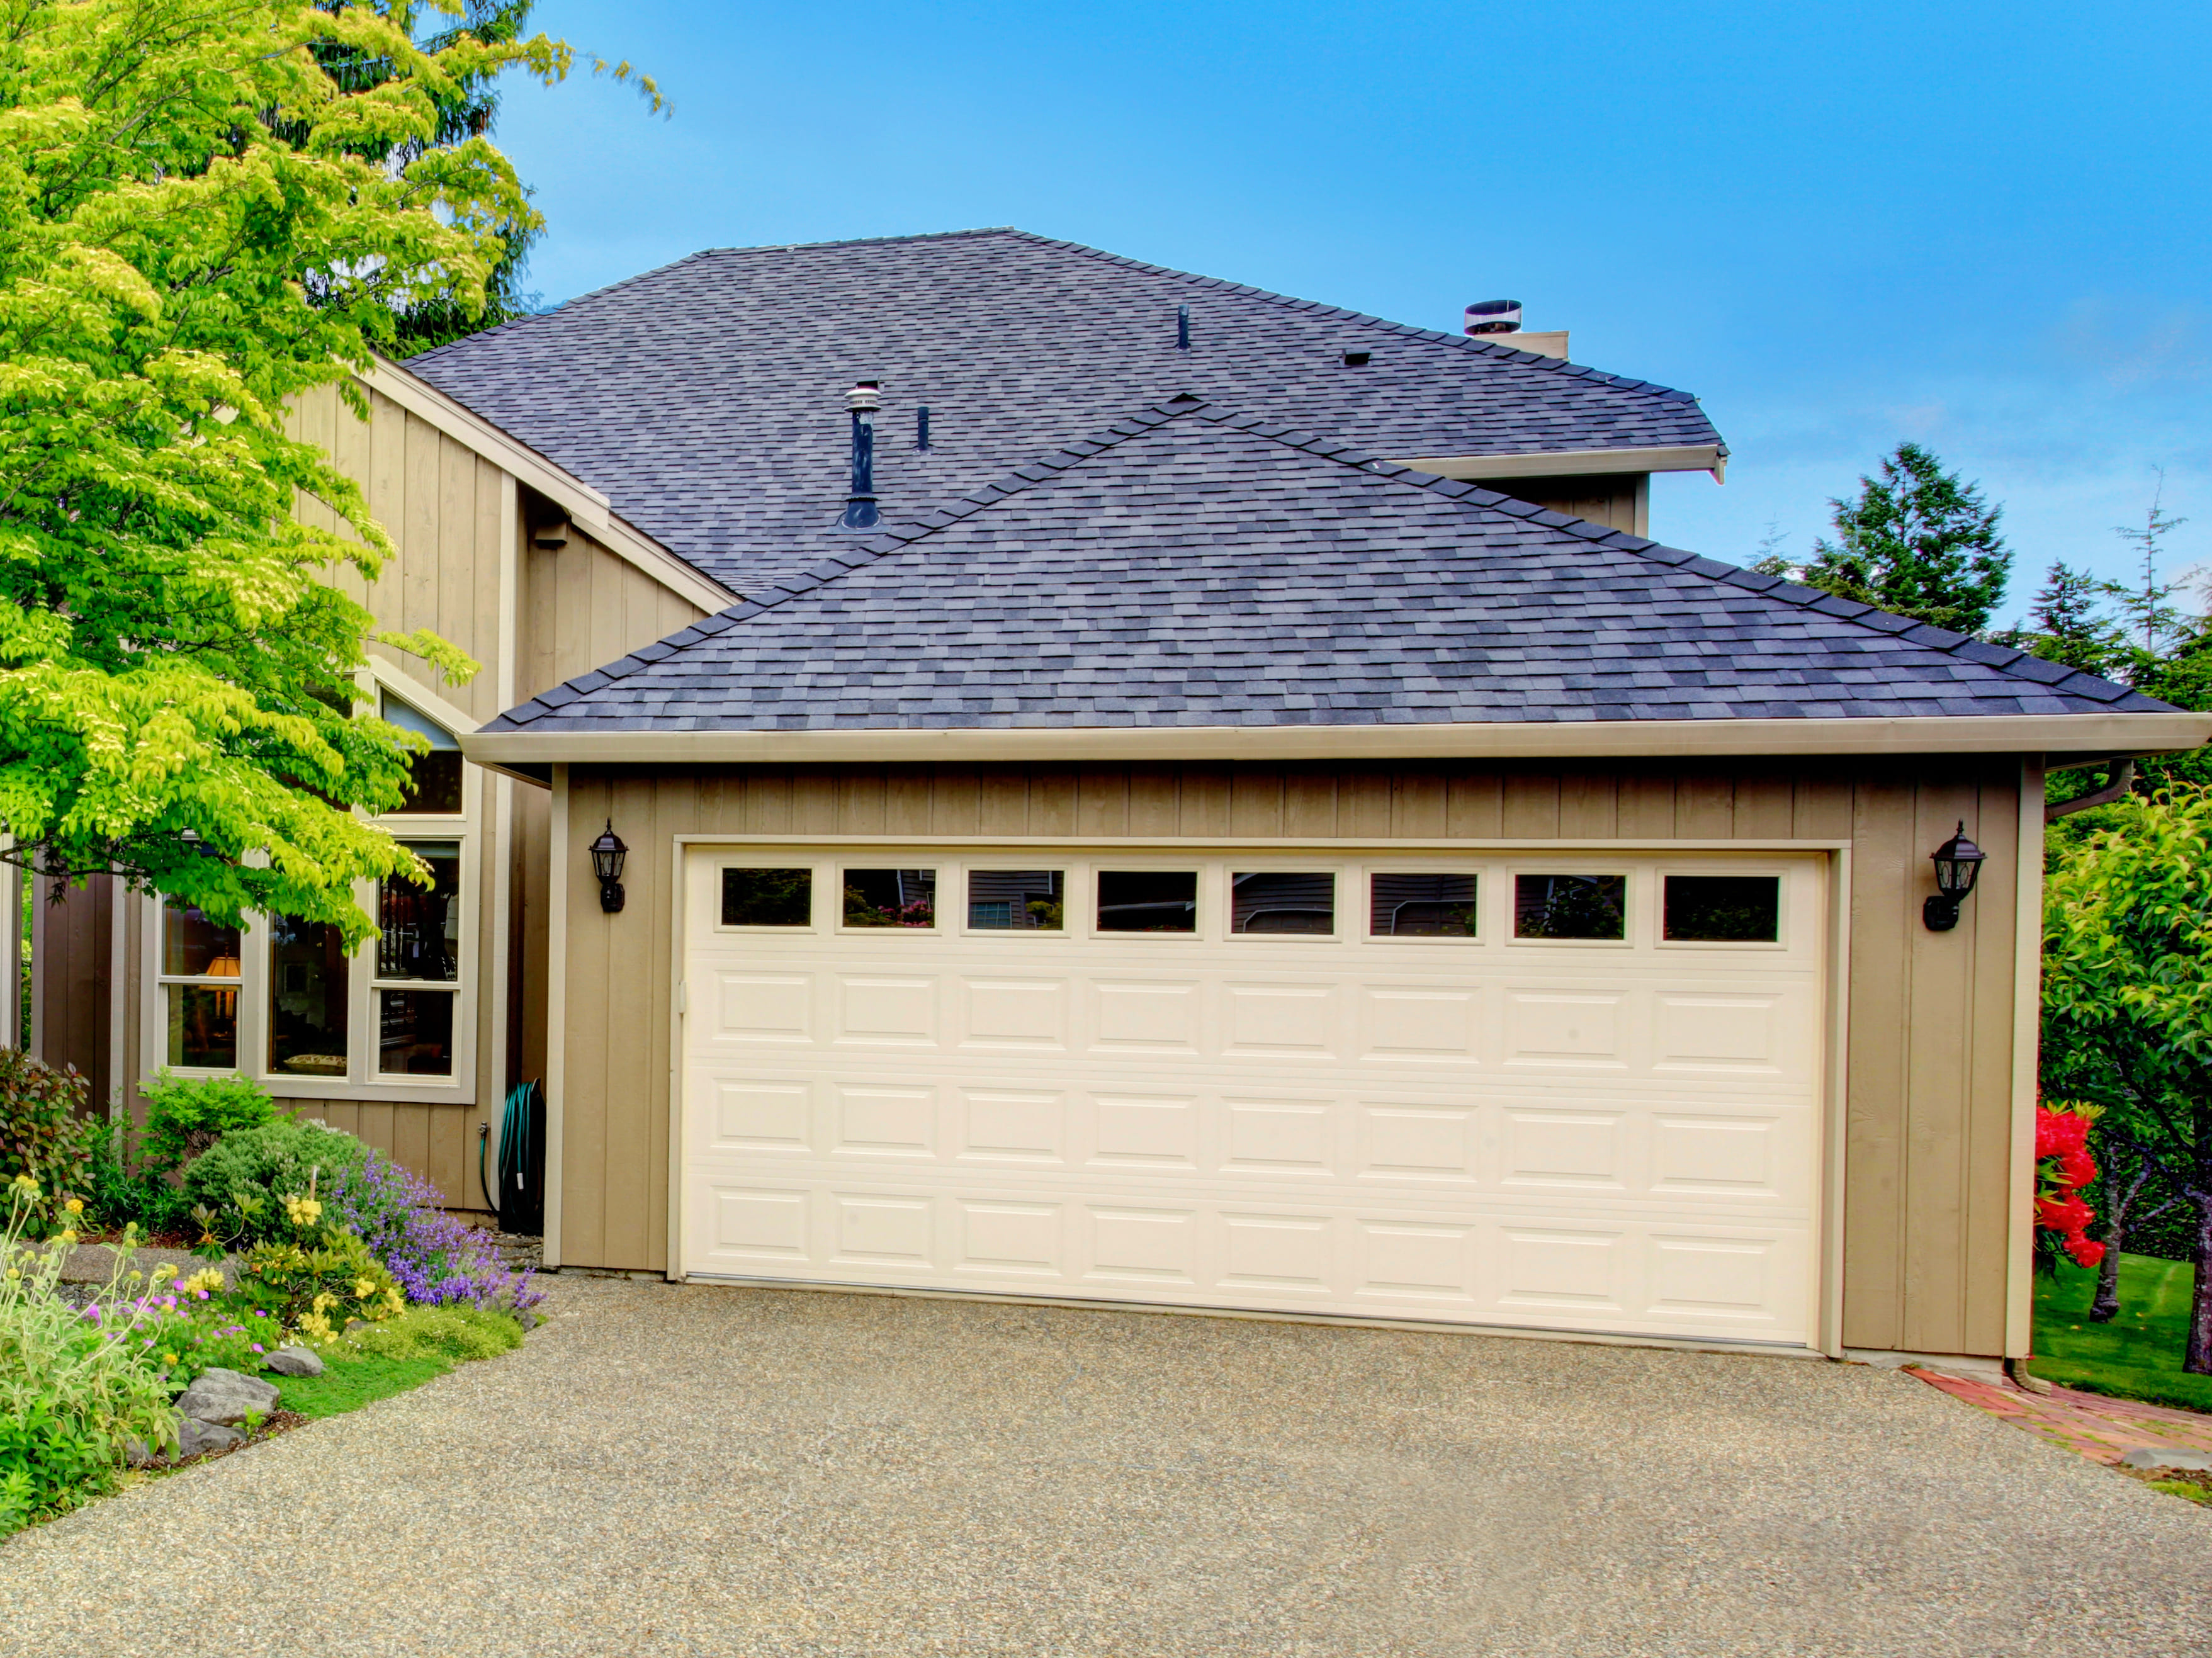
<point>1578,1092</point>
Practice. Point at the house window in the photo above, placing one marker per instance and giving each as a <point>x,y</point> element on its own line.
<point>307,1000</point>
<point>435,776</point>
<point>1728,909</point>
<point>767,897</point>
<point>282,1000</point>
<point>418,965</point>
<point>201,970</point>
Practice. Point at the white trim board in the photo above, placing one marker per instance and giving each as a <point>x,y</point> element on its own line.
<point>1574,463</point>
<point>2104,733</point>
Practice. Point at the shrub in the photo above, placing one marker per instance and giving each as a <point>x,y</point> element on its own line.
<point>40,1111</point>
<point>74,1390</point>
<point>438,1259</point>
<point>455,1332</point>
<point>187,1116</point>
<point>249,1172</point>
<point>312,1289</point>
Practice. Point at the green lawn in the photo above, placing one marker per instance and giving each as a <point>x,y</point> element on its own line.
<point>2138,1354</point>
<point>350,1380</point>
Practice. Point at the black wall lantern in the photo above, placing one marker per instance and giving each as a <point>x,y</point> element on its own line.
<point>1958,861</point>
<point>608,853</point>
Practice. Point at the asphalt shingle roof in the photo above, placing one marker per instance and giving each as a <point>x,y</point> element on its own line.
<point>1193,566</point>
<point>706,398</point>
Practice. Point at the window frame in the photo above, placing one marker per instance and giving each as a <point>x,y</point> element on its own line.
<point>257,981</point>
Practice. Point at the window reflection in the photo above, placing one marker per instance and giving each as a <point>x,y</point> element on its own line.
<point>306,999</point>
<point>421,926</point>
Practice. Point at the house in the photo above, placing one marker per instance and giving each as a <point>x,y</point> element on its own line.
<point>1134,789</point>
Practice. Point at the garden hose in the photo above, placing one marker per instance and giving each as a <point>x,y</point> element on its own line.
<point>520,1160</point>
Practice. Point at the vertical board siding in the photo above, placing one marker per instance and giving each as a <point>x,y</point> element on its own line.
<point>69,943</point>
<point>1927,1118</point>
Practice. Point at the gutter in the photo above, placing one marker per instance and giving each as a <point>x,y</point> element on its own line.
<point>519,751</point>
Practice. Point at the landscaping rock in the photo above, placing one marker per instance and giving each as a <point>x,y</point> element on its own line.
<point>295,1361</point>
<point>226,1397</point>
<point>2167,1456</point>
<point>195,1438</point>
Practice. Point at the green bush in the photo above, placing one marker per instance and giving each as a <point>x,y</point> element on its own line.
<point>314,1289</point>
<point>40,1111</point>
<point>249,1173</point>
<point>187,1116</point>
<point>75,1388</point>
<point>455,1332</point>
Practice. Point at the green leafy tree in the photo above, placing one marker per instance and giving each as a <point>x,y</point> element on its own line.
<point>2127,1003</point>
<point>199,220</point>
<point>1917,541</point>
<point>467,108</point>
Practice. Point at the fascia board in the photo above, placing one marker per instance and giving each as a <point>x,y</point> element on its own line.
<point>1573,463</point>
<point>586,507</point>
<point>2132,733</point>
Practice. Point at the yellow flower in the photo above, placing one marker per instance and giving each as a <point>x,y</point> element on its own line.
<point>316,1328</point>
<point>168,1357</point>
<point>13,1274</point>
<point>208,1279</point>
<point>164,1273</point>
<point>362,1289</point>
<point>303,1212</point>
<point>68,1234</point>
<point>75,1205</point>
<point>395,1301</point>
<point>325,1301</point>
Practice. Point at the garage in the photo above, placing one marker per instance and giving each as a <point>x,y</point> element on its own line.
<point>1563,1090</point>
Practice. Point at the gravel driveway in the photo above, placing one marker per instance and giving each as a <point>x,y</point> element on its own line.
<point>719,1471</point>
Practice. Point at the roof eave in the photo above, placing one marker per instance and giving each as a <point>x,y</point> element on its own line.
<point>1574,463</point>
<point>2114,734</point>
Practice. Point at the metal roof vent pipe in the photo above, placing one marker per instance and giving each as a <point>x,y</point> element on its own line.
<point>863,400</point>
<point>1492,318</point>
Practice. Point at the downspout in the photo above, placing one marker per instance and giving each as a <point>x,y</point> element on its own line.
<point>2123,781</point>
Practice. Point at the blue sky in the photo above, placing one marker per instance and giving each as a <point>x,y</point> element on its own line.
<point>1979,226</point>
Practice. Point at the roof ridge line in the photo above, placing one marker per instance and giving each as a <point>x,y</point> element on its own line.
<point>1489,345</point>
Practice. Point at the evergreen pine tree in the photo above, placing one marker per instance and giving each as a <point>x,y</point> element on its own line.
<point>1919,542</point>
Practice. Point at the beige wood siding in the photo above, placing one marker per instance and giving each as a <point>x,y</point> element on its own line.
<point>443,505</point>
<point>583,607</point>
<point>1928,1046</point>
<point>1620,500</point>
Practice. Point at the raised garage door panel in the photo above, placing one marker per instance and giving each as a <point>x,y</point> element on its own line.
<point>1587,1135</point>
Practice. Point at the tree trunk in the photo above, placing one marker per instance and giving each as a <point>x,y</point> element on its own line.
<point>2118,1200</point>
<point>2199,1362</point>
<point>2108,1303</point>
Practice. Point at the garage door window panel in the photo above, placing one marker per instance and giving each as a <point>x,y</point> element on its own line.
<point>1570,909</point>
<point>1424,904</point>
<point>1275,903</point>
<point>889,900</point>
<point>1162,902</point>
<point>1722,909</point>
<point>1017,900</point>
<point>779,899</point>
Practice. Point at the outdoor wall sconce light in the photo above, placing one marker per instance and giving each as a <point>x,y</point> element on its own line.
<point>608,853</point>
<point>1958,861</point>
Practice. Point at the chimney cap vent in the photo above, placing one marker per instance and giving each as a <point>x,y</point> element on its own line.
<point>867,394</point>
<point>1494,316</point>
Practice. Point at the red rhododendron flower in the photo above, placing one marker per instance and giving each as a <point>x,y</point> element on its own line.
<point>2058,1133</point>
<point>2085,1252</point>
<point>2068,1214</point>
<point>2076,1169</point>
